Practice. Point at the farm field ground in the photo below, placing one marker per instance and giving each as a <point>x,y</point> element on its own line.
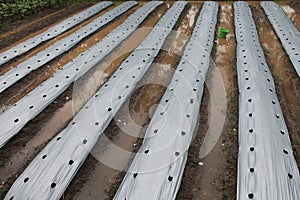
<point>212,176</point>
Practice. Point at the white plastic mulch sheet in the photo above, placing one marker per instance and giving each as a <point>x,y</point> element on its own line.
<point>52,32</point>
<point>17,116</point>
<point>49,174</point>
<point>285,30</point>
<point>61,46</point>
<point>266,166</point>
<point>158,166</point>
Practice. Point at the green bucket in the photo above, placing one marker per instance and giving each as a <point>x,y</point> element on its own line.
<point>222,32</point>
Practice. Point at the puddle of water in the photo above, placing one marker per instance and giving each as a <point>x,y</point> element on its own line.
<point>191,15</point>
<point>225,47</point>
<point>84,89</point>
<point>94,189</point>
<point>112,154</point>
<point>182,34</point>
<point>226,12</point>
<point>51,128</point>
<point>219,82</point>
<point>164,69</point>
<point>290,12</point>
<point>103,176</point>
<point>88,86</point>
<point>130,125</point>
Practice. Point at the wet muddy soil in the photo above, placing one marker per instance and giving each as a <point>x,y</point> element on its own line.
<point>12,30</point>
<point>20,150</point>
<point>130,123</point>
<point>295,4</point>
<point>291,14</point>
<point>211,167</point>
<point>17,153</point>
<point>36,77</point>
<point>14,62</point>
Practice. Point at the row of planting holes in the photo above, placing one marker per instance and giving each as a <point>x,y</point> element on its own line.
<point>190,44</point>
<point>57,49</point>
<point>77,69</point>
<point>273,101</point>
<point>138,20</point>
<point>84,141</point>
<point>283,33</point>
<point>183,62</point>
<point>251,195</point>
<point>183,133</point>
<point>78,35</point>
<point>144,61</point>
<point>44,96</point>
<point>49,34</point>
<point>53,185</point>
<point>170,178</point>
<point>268,79</point>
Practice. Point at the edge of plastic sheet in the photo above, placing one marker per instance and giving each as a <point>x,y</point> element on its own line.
<point>64,155</point>
<point>61,46</point>
<point>157,168</point>
<point>38,99</point>
<point>266,166</point>
<point>52,32</point>
<point>285,30</point>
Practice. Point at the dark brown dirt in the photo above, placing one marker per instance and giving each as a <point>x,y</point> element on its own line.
<point>216,179</point>
<point>19,59</point>
<point>140,102</point>
<point>227,182</point>
<point>192,187</point>
<point>145,93</point>
<point>113,131</point>
<point>36,77</point>
<point>227,177</point>
<point>31,129</point>
<point>34,126</point>
<point>193,172</point>
<point>63,11</point>
<point>295,4</point>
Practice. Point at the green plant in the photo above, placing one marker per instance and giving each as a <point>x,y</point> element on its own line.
<point>21,8</point>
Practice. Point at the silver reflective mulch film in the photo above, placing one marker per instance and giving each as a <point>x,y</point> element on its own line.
<point>285,30</point>
<point>158,166</point>
<point>61,46</point>
<point>17,116</point>
<point>266,166</point>
<point>49,174</point>
<point>52,32</point>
